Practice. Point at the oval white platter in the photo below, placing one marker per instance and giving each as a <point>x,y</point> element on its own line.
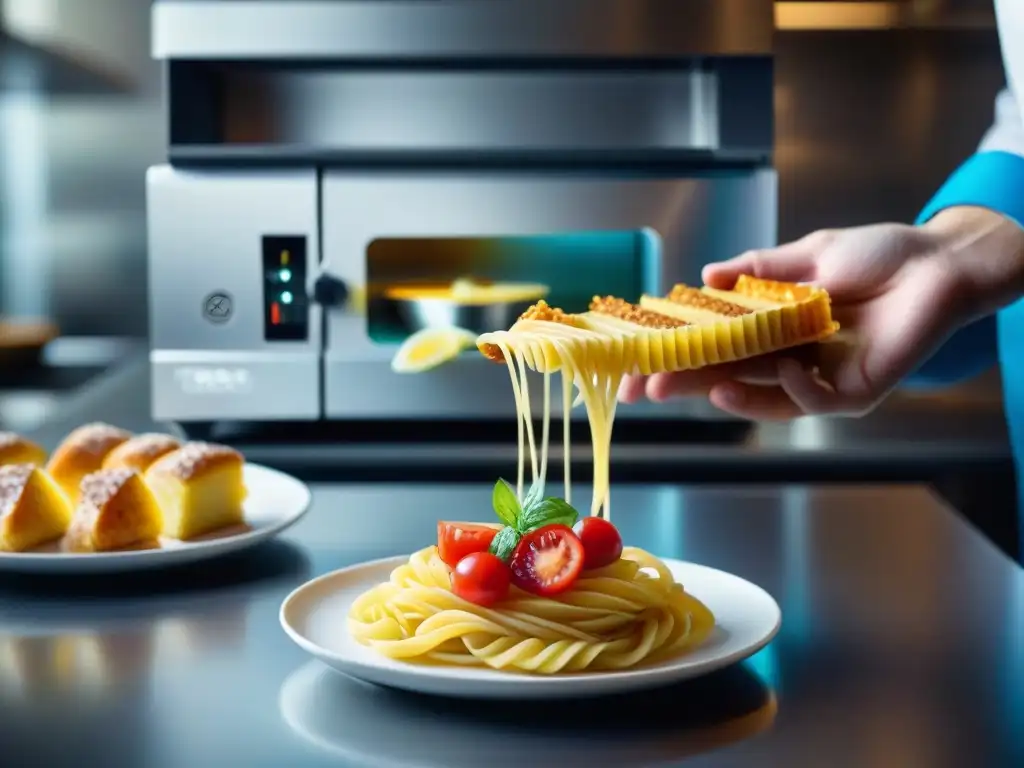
<point>314,616</point>
<point>275,501</point>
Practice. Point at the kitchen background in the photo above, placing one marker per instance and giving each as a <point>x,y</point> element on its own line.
<point>875,102</point>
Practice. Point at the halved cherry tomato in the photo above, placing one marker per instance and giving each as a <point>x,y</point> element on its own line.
<point>481,578</point>
<point>602,543</point>
<point>547,561</point>
<point>456,540</point>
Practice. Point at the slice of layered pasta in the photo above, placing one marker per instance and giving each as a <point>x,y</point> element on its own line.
<point>687,329</point>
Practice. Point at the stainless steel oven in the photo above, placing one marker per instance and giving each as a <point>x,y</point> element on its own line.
<point>320,152</point>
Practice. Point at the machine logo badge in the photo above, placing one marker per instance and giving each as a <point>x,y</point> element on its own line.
<point>218,307</point>
<point>213,381</point>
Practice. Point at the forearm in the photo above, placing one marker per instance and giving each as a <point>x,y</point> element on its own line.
<point>984,249</point>
<point>976,222</point>
<point>984,252</point>
<point>989,248</point>
<point>977,215</point>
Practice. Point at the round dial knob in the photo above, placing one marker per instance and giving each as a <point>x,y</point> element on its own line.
<point>330,291</point>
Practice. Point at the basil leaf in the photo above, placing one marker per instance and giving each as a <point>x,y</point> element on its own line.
<point>506,505</point>
<point>534,495</point>
<point>504,544</point>
<point>547,512</point>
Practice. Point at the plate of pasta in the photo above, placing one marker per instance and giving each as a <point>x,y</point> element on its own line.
<point>543,602</point>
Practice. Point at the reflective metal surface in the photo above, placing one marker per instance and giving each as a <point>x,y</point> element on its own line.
<point>902,644</point>
<point>387,728</point>
<point>227,368</point>
<point>885,117</point>
<point>412,29</point>
<point>324,110</point>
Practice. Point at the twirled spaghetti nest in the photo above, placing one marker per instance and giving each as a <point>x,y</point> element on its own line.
<point>616,617</point>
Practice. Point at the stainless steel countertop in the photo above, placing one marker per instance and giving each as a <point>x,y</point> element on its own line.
<point>911,438</point>
<point>902,644</point>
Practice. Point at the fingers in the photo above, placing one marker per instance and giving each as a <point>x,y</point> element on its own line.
<point>794,394</point>
<point>631,389</point>
<point>662,386</point>
<point>808,392</point>
<point>792,263</point>
<point>755,403</point>
<point>816,396</point>
<point>799,392</point>
<point>754,371</point>
<point>758,371</point>
<point>774,390</point>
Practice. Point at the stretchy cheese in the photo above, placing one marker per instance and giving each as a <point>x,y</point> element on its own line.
<point>688,329</point>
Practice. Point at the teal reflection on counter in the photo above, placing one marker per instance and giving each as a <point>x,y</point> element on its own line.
<point>670,522</point>
<point>765,664</point>
<point>796,579</point>
<point>1013,679</point>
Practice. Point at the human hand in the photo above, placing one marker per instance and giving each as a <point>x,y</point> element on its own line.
<point>897,292</point>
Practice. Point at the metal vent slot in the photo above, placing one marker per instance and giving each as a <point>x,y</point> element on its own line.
<point>260,112</point>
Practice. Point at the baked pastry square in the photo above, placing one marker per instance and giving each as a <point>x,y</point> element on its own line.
<point>115,511</point>
<point>15,449</point>
<point>686,329</point>
<point>141,451</point>
<point>33,508</point>
<point>81,453</point>
<point>200,489</point>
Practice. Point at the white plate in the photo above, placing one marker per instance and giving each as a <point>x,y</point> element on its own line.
<point>275,501</point>
<point>314,616</point>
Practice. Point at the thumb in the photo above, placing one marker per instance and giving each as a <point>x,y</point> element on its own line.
<point>794,262</point>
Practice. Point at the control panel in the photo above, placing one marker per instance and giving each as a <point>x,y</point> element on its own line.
<point>285,304</point>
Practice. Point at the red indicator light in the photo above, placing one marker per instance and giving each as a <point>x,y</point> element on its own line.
<point>275,314</point>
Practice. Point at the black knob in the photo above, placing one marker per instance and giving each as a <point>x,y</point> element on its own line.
<point>329,291</point>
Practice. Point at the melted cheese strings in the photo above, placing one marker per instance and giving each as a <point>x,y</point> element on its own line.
<point>598,392</point>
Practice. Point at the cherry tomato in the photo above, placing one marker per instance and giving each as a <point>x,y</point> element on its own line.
<point>602,543</point>
<point>481,578</point>
<point>547,561</point>
<point>456,540</point>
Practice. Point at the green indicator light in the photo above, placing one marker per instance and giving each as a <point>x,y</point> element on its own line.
<point>285,275</point>
<point>286,297</point>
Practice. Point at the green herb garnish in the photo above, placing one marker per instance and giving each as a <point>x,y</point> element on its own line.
<point>504,544</point>
<point>519,519</point>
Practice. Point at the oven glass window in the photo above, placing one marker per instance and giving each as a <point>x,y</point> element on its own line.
<point>484,284</point>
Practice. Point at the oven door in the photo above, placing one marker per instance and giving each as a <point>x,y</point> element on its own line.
<point>579,234</point>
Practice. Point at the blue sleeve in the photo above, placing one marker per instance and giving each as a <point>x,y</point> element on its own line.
<point>970,351</point>
<point>993,180</point>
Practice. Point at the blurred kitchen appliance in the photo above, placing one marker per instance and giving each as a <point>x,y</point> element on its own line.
<point>321,153</point>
